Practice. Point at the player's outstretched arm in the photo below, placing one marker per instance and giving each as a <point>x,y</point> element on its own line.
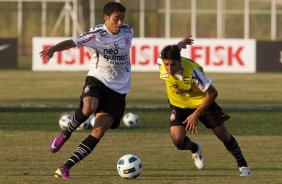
<point>184,42</point>
<point>64,45</point>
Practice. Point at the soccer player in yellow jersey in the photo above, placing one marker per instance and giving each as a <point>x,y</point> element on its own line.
<point>191,97</point>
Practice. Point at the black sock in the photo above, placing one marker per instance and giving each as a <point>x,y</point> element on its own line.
<point>78,119</point>
<point>188,145</point>
<point>234,148</point>
<point>83,150</point>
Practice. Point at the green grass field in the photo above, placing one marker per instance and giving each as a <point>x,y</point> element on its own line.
<point>32,102</point>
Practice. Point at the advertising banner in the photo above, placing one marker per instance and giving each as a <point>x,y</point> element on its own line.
<point>215,55</point>
<point>8,53</point>
<point>269,56</point>
<point>73,59</point>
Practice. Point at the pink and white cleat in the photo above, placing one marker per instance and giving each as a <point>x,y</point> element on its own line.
<point>58,142</point>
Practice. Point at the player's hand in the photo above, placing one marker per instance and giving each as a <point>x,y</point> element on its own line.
<point>184,42</point>
<point>191,124</point>
<point>48,53</point>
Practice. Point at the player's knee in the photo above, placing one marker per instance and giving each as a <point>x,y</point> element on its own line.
<point>89,106</point>
<point>98,132</point>
<point>87,111</point>
<point>177,141</point>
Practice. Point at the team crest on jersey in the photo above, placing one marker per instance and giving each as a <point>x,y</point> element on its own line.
<point>86,89</point>
<point>172,115</point>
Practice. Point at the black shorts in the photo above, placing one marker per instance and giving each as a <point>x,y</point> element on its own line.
<point>110,101</point>
<point>210,118</point>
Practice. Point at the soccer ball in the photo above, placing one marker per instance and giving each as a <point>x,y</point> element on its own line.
<point>65,120</point>
<point>130,119</point>
<point>129,166</point>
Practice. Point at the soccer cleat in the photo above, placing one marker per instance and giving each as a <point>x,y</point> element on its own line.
<point>198,158</point>
<point>58,142</point>
<point>63,173</point>
<point>245,171</point>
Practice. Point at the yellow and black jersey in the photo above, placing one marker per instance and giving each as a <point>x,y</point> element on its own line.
<point>186,88</point>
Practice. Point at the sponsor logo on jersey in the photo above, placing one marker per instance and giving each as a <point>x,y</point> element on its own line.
<point>174,89</point>
<point>113,57</point>
<point>86,40</point>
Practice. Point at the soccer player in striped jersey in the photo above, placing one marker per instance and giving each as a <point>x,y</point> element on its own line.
<point>191,97</point>
<point>106,84</point>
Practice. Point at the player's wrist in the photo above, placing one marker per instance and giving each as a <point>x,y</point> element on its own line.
<point>52,49</point>
<point>197,113</point>
<point>180,45</point>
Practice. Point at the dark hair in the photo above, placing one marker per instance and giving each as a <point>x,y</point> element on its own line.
<point>113,6</point>
<point>171,52</point>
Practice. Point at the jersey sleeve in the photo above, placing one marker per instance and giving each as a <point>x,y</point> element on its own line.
<point>127,30</point>
<point>201,81</point>
<point>85,39</point>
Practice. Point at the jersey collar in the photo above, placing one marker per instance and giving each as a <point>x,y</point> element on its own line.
<point>108,32</point>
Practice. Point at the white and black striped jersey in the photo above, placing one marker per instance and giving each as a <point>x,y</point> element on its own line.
<point>110,56</point>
